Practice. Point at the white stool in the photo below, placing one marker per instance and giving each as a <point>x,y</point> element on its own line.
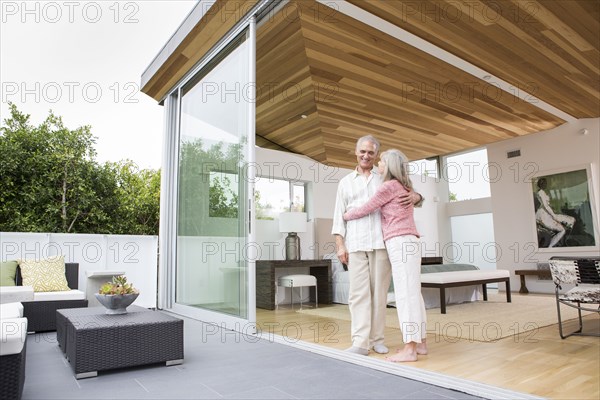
<point>300,281</point>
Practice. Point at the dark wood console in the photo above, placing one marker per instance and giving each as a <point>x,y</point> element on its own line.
<point>265,280</point>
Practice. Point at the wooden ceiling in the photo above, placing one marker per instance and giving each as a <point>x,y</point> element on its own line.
<point>324,78</point>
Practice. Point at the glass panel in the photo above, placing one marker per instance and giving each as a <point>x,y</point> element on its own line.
<point>298,198</point>
<point>272,197</point>
<point>467,175</point>
<point>223,201</point>
<point>212,206</point>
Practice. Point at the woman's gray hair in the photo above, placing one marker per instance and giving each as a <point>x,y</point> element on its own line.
<point>369,138</point>
<point>395,167</point>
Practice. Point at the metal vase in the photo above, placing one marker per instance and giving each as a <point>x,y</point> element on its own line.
<point>116,303</point>
<point>292,246</point>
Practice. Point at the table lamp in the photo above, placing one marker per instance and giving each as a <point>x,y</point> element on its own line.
<point>292,223</point>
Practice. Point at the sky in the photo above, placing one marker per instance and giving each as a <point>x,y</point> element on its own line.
<point>84,60</point>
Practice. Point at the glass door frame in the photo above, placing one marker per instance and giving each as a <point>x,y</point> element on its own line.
<point>168,257</point>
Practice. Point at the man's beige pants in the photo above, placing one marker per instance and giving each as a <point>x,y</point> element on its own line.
<point>370,275</point>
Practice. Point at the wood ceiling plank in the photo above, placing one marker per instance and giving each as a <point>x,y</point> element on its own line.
<point>553,22</point>
<point>344,37</point>
<point>283,89</point>
<point>284,84</point>
<point>519,53</point>
<point>587,88</point>
<point>588,62</point>
<point>321,60</point>
<point>440,140</point>
<point>406,117</point>
<point>406,112</point>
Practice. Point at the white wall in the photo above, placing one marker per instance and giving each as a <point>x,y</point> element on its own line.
<point>472,241</point>
<point>427,217</point>
<point>514,223</point>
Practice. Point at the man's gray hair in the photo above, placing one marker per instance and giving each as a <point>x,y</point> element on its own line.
<point>369,138</point>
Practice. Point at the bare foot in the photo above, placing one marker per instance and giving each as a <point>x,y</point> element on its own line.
<point>403,356</point>
<point>421,349</point>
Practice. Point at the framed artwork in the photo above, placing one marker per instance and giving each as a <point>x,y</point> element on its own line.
<point>564,210</point>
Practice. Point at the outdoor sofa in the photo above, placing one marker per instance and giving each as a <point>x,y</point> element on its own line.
<point>41,311</point>
<point>13,340</point>
<point>39,307</point>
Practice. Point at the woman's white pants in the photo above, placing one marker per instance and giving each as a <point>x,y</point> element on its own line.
<point>405,256</point>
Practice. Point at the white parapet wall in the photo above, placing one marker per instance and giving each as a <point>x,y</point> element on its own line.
<point>135,255</point>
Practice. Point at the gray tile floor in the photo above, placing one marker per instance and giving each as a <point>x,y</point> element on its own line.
<point>222,365</point>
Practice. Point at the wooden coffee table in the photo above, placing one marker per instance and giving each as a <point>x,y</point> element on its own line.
<point>94,341</point>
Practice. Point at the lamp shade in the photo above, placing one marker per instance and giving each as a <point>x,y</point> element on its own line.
<point>292,222</point>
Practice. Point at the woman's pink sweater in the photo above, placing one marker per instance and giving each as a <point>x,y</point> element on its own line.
<point>396,220</point>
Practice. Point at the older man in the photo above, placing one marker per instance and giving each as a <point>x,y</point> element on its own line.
<point>360,245</point>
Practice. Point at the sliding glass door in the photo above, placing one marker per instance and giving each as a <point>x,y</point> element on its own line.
<point>214,266</point>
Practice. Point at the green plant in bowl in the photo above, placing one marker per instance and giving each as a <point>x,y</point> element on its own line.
<point>118,285</point>
<point>117,295</point>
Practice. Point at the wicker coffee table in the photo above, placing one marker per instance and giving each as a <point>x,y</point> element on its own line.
<point>94,341</point>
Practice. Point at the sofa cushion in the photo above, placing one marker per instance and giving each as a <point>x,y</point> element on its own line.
<point>463,276</point>
<point>13,333</point>
<point>59,296</point>
<point>45,275</point>
<point>11,310</point>
<point>13,294</point>
<point>427,269</point>
<point>8,273</point>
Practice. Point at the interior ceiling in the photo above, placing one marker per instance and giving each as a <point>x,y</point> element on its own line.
<point>324,78</point>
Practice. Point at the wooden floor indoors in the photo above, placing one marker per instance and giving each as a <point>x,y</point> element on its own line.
<point>542,364</point>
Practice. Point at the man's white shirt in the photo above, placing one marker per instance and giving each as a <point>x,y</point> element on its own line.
<point>363,234</point>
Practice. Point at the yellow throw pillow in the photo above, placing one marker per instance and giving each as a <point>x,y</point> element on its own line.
<point>46,275</point>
